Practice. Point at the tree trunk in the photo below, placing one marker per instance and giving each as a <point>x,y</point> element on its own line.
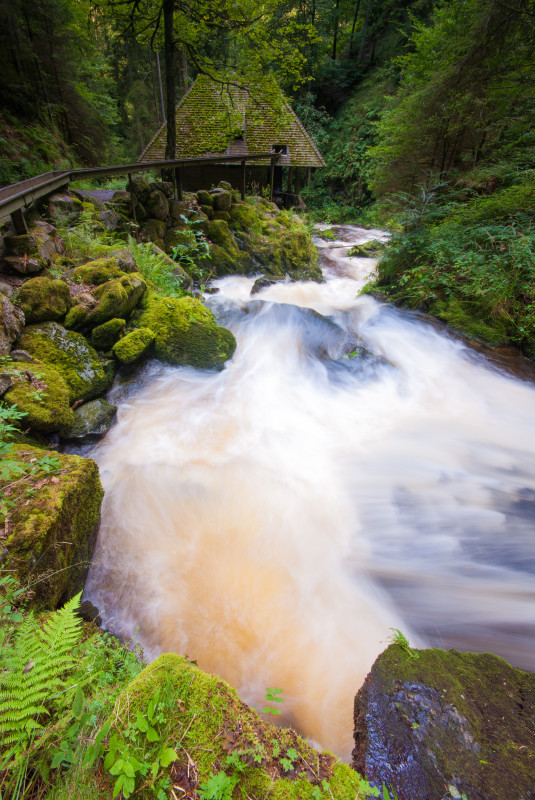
<point>160,87</point>
<point>357,9</point>
<point>364,31</point>
<point>335,35</point>
<point>170,77</point>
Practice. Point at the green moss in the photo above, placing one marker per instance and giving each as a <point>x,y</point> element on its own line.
<point>371,249</point>
<point>224,215</point>
<point>96,272</point>
<point>245,218</point>
<point>104,336</point>
<point>43,299</point>
<point>186,332</point>
<point>114,299</point>
<point>218,232</point>
<point>41,393</point>
<point>464,317</point>
<point>51,533</point>
<point>204,198</point>
<point>71,356</point>
<point>215,728</point>
<point>134,345</point>
<point>91,420</point>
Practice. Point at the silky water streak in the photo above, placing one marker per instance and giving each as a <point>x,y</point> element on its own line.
<point>273,521</point>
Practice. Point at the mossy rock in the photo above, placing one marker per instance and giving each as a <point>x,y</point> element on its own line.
<point>157,206</point>
<point>435,721</point>
<point>245,218</point>
<point>224,215</point>
<point>51,532</point>
<point>468,319</point>
<point>104,336</point>
<point>222,200</point>
<point>70,354</point>
<point>40,392</point>
<point>372,249</point>
<point>217,732</point>
<point>114,299</point>
<point>99,271</point>
<point>91,421</point>
<point>186,332</point>
<point>218,232</point>
<point>204,198</point>
<point>133,346</point>
<point>154,229</point>
<point>11,324</point>
<point>44,299</point>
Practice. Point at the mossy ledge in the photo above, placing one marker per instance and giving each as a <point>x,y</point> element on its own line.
<point>213,731</point>
<point>51,527</point>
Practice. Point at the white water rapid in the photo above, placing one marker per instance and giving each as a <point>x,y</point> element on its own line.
<point>273,521</point>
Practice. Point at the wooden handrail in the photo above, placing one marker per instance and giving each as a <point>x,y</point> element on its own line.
<point>13,198</point>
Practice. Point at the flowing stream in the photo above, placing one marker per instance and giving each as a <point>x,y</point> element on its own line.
<point>345,474</point>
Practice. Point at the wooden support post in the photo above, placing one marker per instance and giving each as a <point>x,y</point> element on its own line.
<point>309,175</point>
<point>178,183</point>
<point>243,180</point>
<point>290,180</point>
<point>271,178</point>
<point>132,199</point>
<point>17,218</point>
<point>297,180</point>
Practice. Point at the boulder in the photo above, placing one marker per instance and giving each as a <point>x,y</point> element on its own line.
<point>20,355</point>
<point>186,332</point>
<point>113,299</point>
<point>208,211</point>
<point>6,288</point>
<point>204,198</point>
<point>122,198</point>
<point>109,219</point>
<point>157,206</point>
<point>70,354</point>
<point>133,346</point>
<point>38,245</point>
<point>41,394</point>
<point>222,201</point>
<point>124,259</point>
<point>11,324</point>
<point>177,208</point>
<point>104,336</point>
<point>96,272</point>
<point>154,229</point>
<point>51,531</point>
<point>62,205</point>
<point>221,215</point>
<point>139,185</point>
<point>43,299</point>
<point>91,421</point>
<point>435,723</point>
<point>245,218</point>
<point>225,185</point>
<point>6,383</point>
<point>24,265</point>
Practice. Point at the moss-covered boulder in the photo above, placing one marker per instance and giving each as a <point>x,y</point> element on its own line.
<point>204,198</point>
<point>114,299</point>
<point>96,272</point>
<point>244,217</point>
<point>51,531</point>
<point>157,206</point>
<point>38,243</point>
<point>222,200</point>
<point>104,336</point>
<point>91,421</point>
<point>220,741</point>
<point>11,324</point>
<point>44,299</point>
<point>436,723</point>
<point>154,230</point>
<point>70,354</point>
<point>371,249</point>
<point>41,394</point>
<point>186,332</point>
<point>133,346</point>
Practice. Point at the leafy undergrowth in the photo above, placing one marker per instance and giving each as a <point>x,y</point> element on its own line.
<point>28,150</point>
<point>80,717</point>
<point>468,257</point>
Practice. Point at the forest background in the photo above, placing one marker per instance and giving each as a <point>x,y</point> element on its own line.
<point>424,112</point>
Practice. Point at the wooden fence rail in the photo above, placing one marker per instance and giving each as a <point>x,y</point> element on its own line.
<point>20,195</point>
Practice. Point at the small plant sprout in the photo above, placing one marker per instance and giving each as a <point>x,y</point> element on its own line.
<point>272,696</point>
<point>400,639</point>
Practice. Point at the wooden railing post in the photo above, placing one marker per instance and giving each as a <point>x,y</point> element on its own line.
<point>132,199</point>
<point>17,218</point>
<point>243,180</point>
<point>178,183</point>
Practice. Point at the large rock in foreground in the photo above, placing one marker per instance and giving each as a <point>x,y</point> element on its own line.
<point>52,525</point>
<point>447,724</point>
<point>186,332</point>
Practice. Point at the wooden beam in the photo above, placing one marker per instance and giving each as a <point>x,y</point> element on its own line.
<point>132,199</point>
<point>243,180</point>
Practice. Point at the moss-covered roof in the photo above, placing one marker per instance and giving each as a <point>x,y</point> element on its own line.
<point>215,119</point>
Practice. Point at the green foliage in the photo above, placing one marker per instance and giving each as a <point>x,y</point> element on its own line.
<point>218,787</point>
<point>400,639</point>
<point>273,696</point>
<point>157,269</point>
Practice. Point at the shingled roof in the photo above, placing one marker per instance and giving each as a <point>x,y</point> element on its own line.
<point>214,119</point>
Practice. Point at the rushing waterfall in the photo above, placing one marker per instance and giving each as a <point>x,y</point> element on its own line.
<point>353,469</point>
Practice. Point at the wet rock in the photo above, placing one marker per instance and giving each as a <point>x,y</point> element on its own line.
<point>70,354</point>
<point>24,265</point>
<point>446,724</point>
<point>6,383</point>
<point>91,421</point>
<point>104,336</point>
<point>114,299</point>
<point>109,219</point>
<point>11,324</point>
<point>90,613</point>
<point>20,355</point>
<point>44,299</point>
<point>262,283</point>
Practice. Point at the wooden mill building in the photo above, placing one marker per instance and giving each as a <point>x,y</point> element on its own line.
<point>234,119</point>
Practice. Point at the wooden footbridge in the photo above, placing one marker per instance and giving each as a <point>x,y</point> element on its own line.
<point>15,198</point>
